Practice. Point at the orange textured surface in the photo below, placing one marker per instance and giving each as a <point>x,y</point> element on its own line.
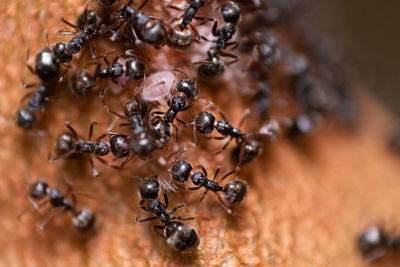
<point>305,206</point>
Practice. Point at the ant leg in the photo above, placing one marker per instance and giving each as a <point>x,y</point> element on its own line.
<point>195,33</point>
<point>65,32</point>
<point>214,29</point>
<point>155,229</point>
<point>195,138</point>
<point>216,172</point>
<point>28,63</point>
<point>235,58</point>
<point>193,188</point>
<point>69,127</point>
<point>48,219</point>
<point>179,218</point>
<point>231,212</point>
<point>176,208</point>
<point>145,220</point>
<point>227,175</point>
<point>69,23</point>
<point>234,45</point>
<point>179,154</point>
<point>65,155</point>
<point>92,50</point>
<point>108,164</point>
<point>93,167</point>
<point>27,85</point>
<point>165,198</point>
<point>224,146</point>
<point>204,170</point>
<point>203,19</point>
<point>92,124</point>
<point>203,196</point>
<point>127,159</point>
<point>115,113</point>
<point>143,4</point>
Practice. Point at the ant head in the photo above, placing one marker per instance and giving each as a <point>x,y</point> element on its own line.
<point>24,118</point>
<point>92,18</point>
<point>119,145</point>
<point>81,82</point>
<point>134,69</point>
<point>205,122</point>
<point>188,87</point>
<point>162,131</point>
<point>251,149</point>
<point>181,237</point>
<point>38,190</point>
<point>179,38</point>
<point>65,143</point>
<point>373,243</point>
<point>154,33</point>
<point>230,12</point>
<point>211,69</point>
<point>84,220</point>
<point>46,65</point>
<point>235,192</point>
<point>149,188</point>
<point>60,54</point>
<point>180,171</point>
<point>56,197</point>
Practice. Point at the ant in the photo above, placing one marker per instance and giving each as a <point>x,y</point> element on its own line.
<point>145,28</point>
<point>86,30</point>
<point>105,3</point>
<point>81,82</point>
<point>134,69</point>
<point>375,242</point>
<point>234,192</point>
<point>213,66</point>
<point>161,126</point>
<point>46,68</point>
<point>83,219</point>
<point>179,236</point>
<point>69,143</point>
<point>230,12</point>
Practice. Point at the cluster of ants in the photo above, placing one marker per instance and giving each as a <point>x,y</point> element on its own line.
<point>151,130</point>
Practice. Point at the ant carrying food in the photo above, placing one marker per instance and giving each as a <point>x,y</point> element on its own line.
<point>69,143</point>
<point>82,219</point>
<point>179,236</point>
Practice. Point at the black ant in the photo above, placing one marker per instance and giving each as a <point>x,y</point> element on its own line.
<point>46,68</point>
<point>83,219</point>
<point>145,28</point>
<point>178,235</point>
<point>69,143</point>
<point>161,126</point>
<point>234,192</point>
<point>223,36</point>
<point>81,82</point>
<point>190,12</point>
<point>374,243</point>
<point>85,32</point>
<point>230,12</point>
<point>212,67</point>
<point>134,69</point>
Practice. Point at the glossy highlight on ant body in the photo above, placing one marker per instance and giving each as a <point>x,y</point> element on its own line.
<point>133,70</point>
<point>70,143</point>
<point>179,236</point>
<point>81,82</point>
<point>374,243</point>
<point>82,219</point>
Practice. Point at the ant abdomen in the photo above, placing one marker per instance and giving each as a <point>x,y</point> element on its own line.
<point>24,118</point>
<point>83,220</point>
<point>65,143</point>
<point>181,237</point>
<point>235,192</point>
<point>119,145</point>
<point>46,65</point>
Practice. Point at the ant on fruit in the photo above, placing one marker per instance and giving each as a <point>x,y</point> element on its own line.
<point>234,192</point>
<point>88,26</point>
<point>179,236</point>
<point>82,219</point>
<point>47,69</point>
<point>69,143</point>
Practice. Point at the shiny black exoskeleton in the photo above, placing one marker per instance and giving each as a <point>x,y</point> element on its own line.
<point>105,3</point>
<point>81,82</point>
<point>230,12</point>
<point>178,235</point>
<point>70,143</point>
<point>190,12</point>
<point>246,151</point>
<point>234,192</point>
<point>82,220</point>
<point>47,69</point>
<point>212,67</point>
<point>134,69</point>
<point>373,243</point>
<point>87,28</point>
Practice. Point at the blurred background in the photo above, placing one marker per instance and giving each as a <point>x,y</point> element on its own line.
<point>371,32</point>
